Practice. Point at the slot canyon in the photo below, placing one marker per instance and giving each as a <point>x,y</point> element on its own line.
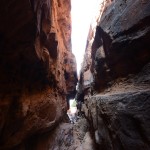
<point>38,77</point>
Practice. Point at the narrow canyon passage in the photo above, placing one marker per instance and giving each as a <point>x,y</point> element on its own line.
<point>39,74</point>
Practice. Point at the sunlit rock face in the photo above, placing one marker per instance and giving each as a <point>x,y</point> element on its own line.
<point>35,56</point>
<point>115,78</point>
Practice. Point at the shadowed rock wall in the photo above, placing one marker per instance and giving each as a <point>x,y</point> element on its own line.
<point>35,63</point>
<point>114,80</point>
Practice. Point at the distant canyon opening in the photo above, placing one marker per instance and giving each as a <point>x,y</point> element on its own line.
<point>84,15</point>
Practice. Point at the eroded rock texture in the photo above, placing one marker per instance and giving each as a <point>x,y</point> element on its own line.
<point>65,137</point>
<point>35,64</point>
<point>115,79</point>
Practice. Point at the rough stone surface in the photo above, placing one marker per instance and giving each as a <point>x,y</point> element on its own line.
<point>60,138</point>
<point>65,137</point>
<point>115,76</point>
<point>121,44</point>
<point>120,115</point>
<point>35,64</point>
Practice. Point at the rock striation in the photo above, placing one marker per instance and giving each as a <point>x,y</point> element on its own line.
<point>114,83</point>
<point>36,62</point>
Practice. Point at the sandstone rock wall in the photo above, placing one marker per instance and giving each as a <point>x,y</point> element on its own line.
<point>36,62</point>
<point>114,80</point>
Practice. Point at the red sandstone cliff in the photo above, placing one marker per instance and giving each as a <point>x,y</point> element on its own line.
<point>37,68</point>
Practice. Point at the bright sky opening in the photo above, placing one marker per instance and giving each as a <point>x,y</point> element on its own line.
<point>81,14</point>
